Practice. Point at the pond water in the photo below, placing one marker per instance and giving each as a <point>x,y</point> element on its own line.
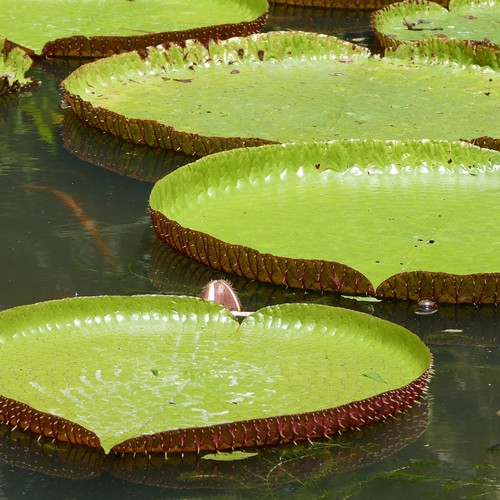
<point>74,221</point>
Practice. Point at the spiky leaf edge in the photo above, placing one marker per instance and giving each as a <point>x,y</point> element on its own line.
<point>270,431</point>
<point>249,263</point>
<point>323,275</point>
<point>79,46</point>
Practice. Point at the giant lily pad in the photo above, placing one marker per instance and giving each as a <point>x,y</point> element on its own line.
<point>14,63</point>
<point>98,28</point>
<point>408,219</point>
<point>284,87</point>
<point>159,373</point>
<point>414,20</point>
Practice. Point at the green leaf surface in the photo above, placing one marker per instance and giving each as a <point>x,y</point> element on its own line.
<point>34,24</point>
<point>88,360</point>
<point>375,376</point>
<point>362,299</point>
<point>404,22</point>
<point>281,213</point>
<point>229,456</point>
<point>14,63</point>
<point>283,87</point>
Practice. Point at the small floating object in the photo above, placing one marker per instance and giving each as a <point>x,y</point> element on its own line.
<point>179,374</point>
<point>426,307</point>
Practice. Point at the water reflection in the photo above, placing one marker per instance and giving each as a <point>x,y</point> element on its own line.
<point>300,466</point>
<point>353,26</point>
<point>46,252</point>
<point>107,151</point>
<point>7,101</point>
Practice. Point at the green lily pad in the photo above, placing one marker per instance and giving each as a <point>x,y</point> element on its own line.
<point>81,370</point>
<point>14,63</point>
<point>403,22</point>
<point>97,28</point>
<point>401,219</point>
<point>284,87</point>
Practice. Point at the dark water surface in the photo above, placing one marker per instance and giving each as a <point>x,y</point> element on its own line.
<point>74,221</point>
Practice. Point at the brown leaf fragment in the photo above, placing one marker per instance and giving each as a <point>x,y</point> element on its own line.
<point>408,24</point>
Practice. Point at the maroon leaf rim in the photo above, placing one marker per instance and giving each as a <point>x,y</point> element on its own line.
<point>79,46</point>
<point>249,263</point>
<point>154,134</point>
<point>479,288</point>
<point>269,431</point>
<point>322,275</point>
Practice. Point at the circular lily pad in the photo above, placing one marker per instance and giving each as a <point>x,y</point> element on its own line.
<point>414,20</point>
<point>284,87</point>
<point>160,373</point>
<point>99,28</point>
<point>393,219</point>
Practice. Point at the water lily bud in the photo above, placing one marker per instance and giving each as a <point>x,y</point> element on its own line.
<point>223,293</point>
